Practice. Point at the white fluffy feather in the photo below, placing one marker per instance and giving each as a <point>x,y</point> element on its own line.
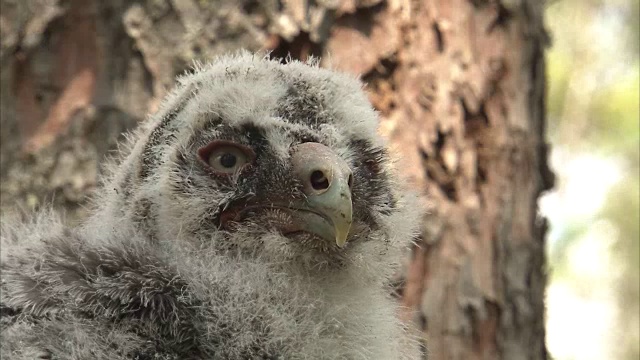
<point>144,277</point>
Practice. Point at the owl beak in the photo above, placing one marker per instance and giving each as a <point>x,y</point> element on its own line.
<point>334,205</point>
<point>326,180</point>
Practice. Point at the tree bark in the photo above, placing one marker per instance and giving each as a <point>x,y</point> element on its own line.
<point>459,85</point>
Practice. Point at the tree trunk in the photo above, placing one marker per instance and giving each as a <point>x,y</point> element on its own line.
<point>459,85</point>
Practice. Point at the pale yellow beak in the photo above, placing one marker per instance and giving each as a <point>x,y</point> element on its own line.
<point>326,180</point>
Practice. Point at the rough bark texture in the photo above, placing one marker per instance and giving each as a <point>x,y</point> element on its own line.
<point>459,84</point>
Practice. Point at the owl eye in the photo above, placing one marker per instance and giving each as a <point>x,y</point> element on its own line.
<point>226,157</point>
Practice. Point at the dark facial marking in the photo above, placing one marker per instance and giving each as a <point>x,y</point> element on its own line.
<point>371,184</point>
<point>160,135</point>
<point>302,104</point>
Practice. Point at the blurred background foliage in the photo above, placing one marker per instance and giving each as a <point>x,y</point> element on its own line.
<point>593,298</point>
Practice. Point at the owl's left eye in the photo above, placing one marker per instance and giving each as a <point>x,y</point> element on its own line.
<point>226,157</point>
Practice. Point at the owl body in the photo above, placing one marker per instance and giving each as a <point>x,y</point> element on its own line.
<point>254,216</point>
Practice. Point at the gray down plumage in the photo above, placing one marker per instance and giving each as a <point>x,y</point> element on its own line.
<point>154,274</point>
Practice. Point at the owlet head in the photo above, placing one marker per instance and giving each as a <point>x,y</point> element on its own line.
<point>252,154</point>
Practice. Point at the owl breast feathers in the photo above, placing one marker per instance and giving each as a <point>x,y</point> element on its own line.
<point>254,216</point>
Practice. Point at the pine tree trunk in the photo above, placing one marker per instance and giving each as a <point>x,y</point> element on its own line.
<point>459,85</point>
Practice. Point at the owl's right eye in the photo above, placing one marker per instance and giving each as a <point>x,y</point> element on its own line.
<point>226,157</point>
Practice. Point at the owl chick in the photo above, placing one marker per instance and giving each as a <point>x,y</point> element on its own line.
<point>255,216</point>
